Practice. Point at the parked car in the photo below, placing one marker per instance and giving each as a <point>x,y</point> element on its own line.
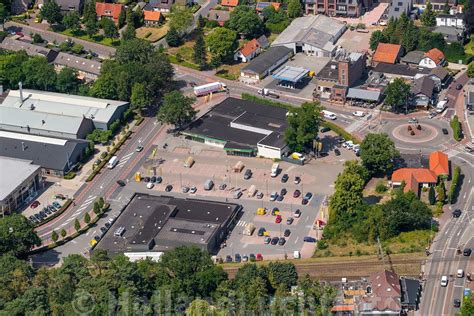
<point>222,186</point>
<point>278,219</point>
<point>245,258</point>
<point>287,233</point>
<point>121,183</point>
<point>103,230</point>
<point>289,220</point>
<point>275,211</point>
<point>283,191</point>
<point>47,211</point>
<point>458,86</point>
<point>304,201</point>
<point>309,239</point>
<point>169,188</point>
<point>260,195</point>
<point>308,195</point>
<point>324,129</point>
<point>297,213</point>
<point>139,148</point>
<point>159,179</point>
<point>150,185</point>
<point>274,240</point>
<point>228,259</point>
<point>468,149</point>
<point>337,152</point>
<point>146,179</point>
<point>185,189</point>
<point>252,257</point>
<point>457,303</point>
<point>33,219</point>
<point>284,178</point>
<point>153,179</point>
<point>273,196</point>
<point>457,212</point>
<point>267,240</point>
<point>192,190</point>
<point>259,257</point>
<point>432,114</point>
<point>56,205</point>
<point>467,252</point>
<point>237,258</point>
<point>297,180</point>
<point>280,198</point>
<point>445,131</point>
<point>296,194</point>
<point>59,196</point>
<point>35,204</point>
<point>261,231</point>
<point>247,174</point>
<point>281,241</point>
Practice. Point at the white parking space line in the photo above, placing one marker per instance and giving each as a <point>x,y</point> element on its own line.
<point>296,240</point>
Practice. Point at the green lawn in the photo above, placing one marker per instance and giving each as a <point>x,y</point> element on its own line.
<point>99,39</point>
<point>469,47</point>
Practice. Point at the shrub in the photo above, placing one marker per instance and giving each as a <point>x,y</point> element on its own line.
<point>322,244</point>
<point>456,127</point>
<point>441,192</point>
<point>432,196</point>
<point>453,189</point>
<point>87,218</point>
<point>103,155</point>
<point>380,187</point>
<point>70,175</point>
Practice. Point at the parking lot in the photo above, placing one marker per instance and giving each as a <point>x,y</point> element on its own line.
<point>317,177</point>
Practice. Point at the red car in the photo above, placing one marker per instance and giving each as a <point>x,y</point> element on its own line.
<point>35,204</point>
<point>278,219</point>
<point>259,257</point>
<point>297,193</point>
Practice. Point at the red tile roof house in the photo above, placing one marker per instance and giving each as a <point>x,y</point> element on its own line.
<point>387,53</point>
<point>385,295</point>
<point>414,178</point>
<point>230,3</point>
<point>108,10</point>
<point>251,49</point>
<point>432,59</point>
<point>152,18</point>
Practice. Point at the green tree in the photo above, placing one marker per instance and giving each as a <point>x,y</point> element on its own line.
<point>222,43</point>
<point>37,39</point>
<point>87,218</point>
<point>294,9</point>
<point>3,13</point>
<point>138,98</point>
<point>469,16</point>
<point>199,307</point>
<point>376,38</point>
<point>409,38</point>
<point>96,208</point>
<point>245,20</point>
<point>397,93</point>
<point>17,235</point>
<point>176,109</point>
<point>378,153</point>
<point>54,236</point>
<point>101,202</point>
<point>72,21</point>
<point>51,12</point>
<point>63,233</point>
<point>77,49</point>
<point>90,17</point>
<point>110,29</point>
<point>122,18</point>
<point>441,192</point>
<point>67,82</point>
<point>201,22</point>
<point>134,50</point>
<point>303,125</point>
<point>199,50</point>
<point>77,225</point>
<point>173,38</point>
<point>446,8</point>
<point>467,306</point>
<point>282,274</point>
<point>470,70</point>
<point>432,196</point>
<point>129,33</point>
<point>456,127</point>
<point>428,17</point>
<point>181,19</point>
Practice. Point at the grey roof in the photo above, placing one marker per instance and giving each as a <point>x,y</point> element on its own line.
<point>267,59</point>
<point>276,140</point>
<point>316,30</point>
<point>362,94</point>
<point>397,7</point>
<point>14,172</point>
<point>399,69</point>
<point>152,4</point>
<point>289,73</point>
<point>67,5</point>
<point>63,105</point>
<point>11,117</point>
<point>79,63</point>
<point>451,16</point>
<point>413,57</point>
<point>263,41</point>
<point>218,15</point>
<point>424,85</point>
<point>16,45</point>
<point>411,289</point>
<point>47,152</point>
<point>439,72</point>
<point>470,98</point>
<point>451,34</point>
<point>329,71</point>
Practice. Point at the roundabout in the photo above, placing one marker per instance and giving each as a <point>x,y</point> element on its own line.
<point>415,133</point>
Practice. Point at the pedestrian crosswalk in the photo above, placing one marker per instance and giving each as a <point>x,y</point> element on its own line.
<point>241,223</point>
<point>86,204</point>
<point>124,159</point>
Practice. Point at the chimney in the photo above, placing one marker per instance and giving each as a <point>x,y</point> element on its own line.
<point>20,85</point>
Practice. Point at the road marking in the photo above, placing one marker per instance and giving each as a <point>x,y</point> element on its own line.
<point>241,223</point>
<point>296,240</point>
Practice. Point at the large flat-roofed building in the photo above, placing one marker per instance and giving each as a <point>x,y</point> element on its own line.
<point>19,181</point>
<point>55,156</point>
<point>151,223</point>
<point>56,114</point>
<point>242,128</point>
<point>265,63</point>
<point>314,35</point>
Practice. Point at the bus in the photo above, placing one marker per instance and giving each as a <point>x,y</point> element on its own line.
<point>329,115</point>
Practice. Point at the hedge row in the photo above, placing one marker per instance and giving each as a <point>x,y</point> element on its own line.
<point>139,121</point>
<point>109,155</point>
<point>453,189</point>
<point>174,60</point>
<point>59,212</point>
<point>457,129</point>
<point>70,175</point>
<point>77,234</point>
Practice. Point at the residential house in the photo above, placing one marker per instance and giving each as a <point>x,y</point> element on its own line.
<point>451,20</point>
<point>397,7</point>
<point>452,34</point>
<point>411,293</point>
<point>262,5</point>
<point>349,8</point>
<point>265,63</point>
<point>315,35</point>
<point>384,297</point>
<point>164,6</point>
<point>338,75</point>
<point>220,16</point>
<point>414,178</point>
<point>152,18</point>
<point>432,59</point>
<point>230,3</point>
<point>108,10</point>
<point>438,5</point>
<point>251,49</point>
<point>71,5</point>
<point>412,58</point>
<point>440,76</point>
<point>387,53</point>
<point>422,92</point>
<point>469,99</point>
<point>392,71</point>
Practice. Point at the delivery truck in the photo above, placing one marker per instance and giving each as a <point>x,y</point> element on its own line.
<point>209,88</point>
<point>249,229</point>
<point>275,169</point>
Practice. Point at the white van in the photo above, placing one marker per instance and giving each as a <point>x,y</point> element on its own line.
<point>237,194</point>
<point>329,115</point>
<point>444,281</point>
<point>296,254</point>
<point>113,162</point>
<point>460,273</point>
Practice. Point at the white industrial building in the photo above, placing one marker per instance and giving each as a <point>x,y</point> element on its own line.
<point>314,35</point>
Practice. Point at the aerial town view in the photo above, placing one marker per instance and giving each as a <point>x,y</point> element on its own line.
<point>237,157</point>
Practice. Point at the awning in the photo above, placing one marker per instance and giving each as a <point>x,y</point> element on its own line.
<point>362,94</point>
